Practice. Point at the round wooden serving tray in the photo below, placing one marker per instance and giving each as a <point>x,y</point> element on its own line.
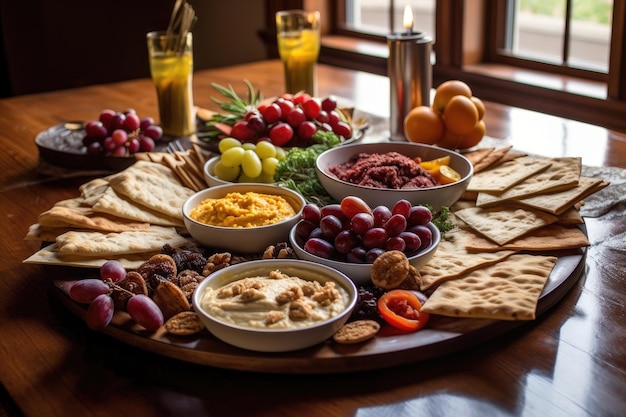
<point>443,335</point>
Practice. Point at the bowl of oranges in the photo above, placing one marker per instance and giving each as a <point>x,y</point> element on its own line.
<point>454,120</point>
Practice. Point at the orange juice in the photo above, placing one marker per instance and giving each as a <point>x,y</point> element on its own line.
<point>299,52</point>
<point>172,74</point>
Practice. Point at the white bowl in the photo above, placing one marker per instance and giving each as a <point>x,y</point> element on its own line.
<point>209,173</point>
<point>437,197</point>
<point>246,239</point>
<point>274,340</point>
<point>361,274</point>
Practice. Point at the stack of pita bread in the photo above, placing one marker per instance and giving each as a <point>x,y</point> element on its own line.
<point>518,212</point>
<point>127,216</point>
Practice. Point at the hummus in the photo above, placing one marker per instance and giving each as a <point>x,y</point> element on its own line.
<point>276,301</point>
<point>243,210</point>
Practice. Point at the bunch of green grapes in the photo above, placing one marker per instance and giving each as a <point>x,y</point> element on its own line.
<point>248,162</point>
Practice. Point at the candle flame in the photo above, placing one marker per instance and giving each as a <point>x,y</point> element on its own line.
<point>408,18</point>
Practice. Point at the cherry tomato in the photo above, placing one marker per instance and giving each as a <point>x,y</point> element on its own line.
<point>401,309</point>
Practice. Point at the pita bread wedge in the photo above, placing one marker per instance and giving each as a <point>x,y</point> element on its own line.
<point>453,260</point>
<point>563,174</point>
<point>508,290</point>
<point>505,223</point>
<point>50,256</point>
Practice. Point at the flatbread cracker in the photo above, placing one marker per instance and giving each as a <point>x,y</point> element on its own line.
<point>97,244</point>
<point>86,218</point>
<point>163,195</point>
<point>490,159</point>
<point>453,260</point>
<point>548,238</point>
<point>121,206</point>
<point>558,202</point>
<point>505,223</point>
<point>563,174</point>
<point>478,155</point>
<point>508,290</point>
<point>50,256</point>
<point>505,176</point>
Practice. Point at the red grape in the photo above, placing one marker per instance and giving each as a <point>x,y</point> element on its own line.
<point>395,225</point>
<point>345,241</point>
<point>395,243</point>
<point>145,312</point>
<point>311,212</point>
<point>132,122</point>
<point>331,226</point>
<point>329,103</point>
<point>311,108</point>
<point>424,233</point>
<point>402,207</point>
<point>411,240</point>
<point>112,270</point>
<point>306,130</point>
<point>362,222</point>
<point>272,113</point>
<point>96,130</point>
<point>304,228</point>
<point>356,255</point>
<point>372,254</point>
<point>295,117</point>
<point>86,290</point>
<point>376,237</point>
<point>352,205</point>
<point>100,312</point>
<point>419,215</point>
<point>319,247</point>
<point>381,215</point>
<point>342,129</point>
<point>333,210</point>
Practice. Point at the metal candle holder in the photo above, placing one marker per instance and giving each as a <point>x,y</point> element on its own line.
<point>410,74</point>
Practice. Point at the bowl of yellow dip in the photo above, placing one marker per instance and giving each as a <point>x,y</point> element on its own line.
<point>275,305</point>
<point>242,217</point>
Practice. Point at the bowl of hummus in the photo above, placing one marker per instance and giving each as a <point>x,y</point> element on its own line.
<point>382,173</point>
<point>275,305</point>
<point>242,218</point>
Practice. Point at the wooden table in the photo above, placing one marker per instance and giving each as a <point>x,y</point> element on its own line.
<point>569,362</point>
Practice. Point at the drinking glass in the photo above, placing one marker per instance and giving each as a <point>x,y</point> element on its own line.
<point>171,68</point>
<point>298,35</point>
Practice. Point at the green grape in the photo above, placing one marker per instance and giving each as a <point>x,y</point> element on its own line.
<point>265,149</point>
<point>281,153</point>
<point>232,157</point>
<point>228,143</point>
<point>266,178</point>
<point>244,178</point>
<point>251,164</point>
<point>269,166</point>
<point>249,146</point>
<point>226,173</point>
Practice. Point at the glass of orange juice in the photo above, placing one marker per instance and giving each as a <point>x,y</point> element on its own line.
<point>171,68</point>
<point>298,35</point>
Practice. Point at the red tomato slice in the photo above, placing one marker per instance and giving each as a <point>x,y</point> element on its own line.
<point>402,310</point>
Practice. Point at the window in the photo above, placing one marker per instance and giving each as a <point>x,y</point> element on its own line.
<point>580,73</point>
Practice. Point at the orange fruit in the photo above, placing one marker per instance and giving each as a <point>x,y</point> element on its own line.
<point>448,175</point>
<point>460,115</point>
<point>449,140</point>
<point>423,125</point>
<point>480,106</point>
<point>446,91</point>
<point>474,137</point>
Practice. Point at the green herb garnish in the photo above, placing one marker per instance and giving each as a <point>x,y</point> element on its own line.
<point>297,170</point>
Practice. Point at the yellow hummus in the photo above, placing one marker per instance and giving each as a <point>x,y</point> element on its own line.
<point>276,301</point>
<point>243,210</point>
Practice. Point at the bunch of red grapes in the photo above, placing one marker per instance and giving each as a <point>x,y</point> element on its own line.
<point>121,133</point>
<point>96,292</point>
<point>291,121</point>
<point>353,232</point>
